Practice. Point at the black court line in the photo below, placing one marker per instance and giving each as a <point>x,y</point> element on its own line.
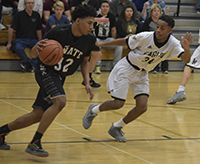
<point>76,82</point>
<point>147,123</point>
<point>99,102</point>
<point>85,140</point>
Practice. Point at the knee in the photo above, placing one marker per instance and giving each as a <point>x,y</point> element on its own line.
<point>60,102</point>
<point>142,108</point>
<point>118,104</point>
<point>37,115</point>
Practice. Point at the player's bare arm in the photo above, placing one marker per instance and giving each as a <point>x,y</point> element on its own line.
<point>186,42</point>
<point>102,19</point>
<point>37,48</point>
<point>85,74</point>
<point>116,42</point>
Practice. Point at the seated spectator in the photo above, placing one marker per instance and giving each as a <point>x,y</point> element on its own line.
<point>127,23</point>
<point>1,25</point>
<point>48,9</point>
<point>9,6</point>
<point>37,7</point>
<point>28,25</point>
<point>151,22</point>
<point>150,25</point>
<point>58,17</point>
<point>116,7</point>
<point>107,32</point>
<point>149,3</point>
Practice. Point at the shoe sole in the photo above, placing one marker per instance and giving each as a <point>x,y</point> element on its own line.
<point>97,72</point>
<point>4,147</point>
<point>174,102</point>
<point>39,155</point>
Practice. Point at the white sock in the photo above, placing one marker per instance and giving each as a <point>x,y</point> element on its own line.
<point>96,109</point>
<point>120,123</point>
<point>181,88</point>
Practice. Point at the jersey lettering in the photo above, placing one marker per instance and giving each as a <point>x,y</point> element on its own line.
<point>72,51</point>
<point>154,54</point>
<point>64,64</point>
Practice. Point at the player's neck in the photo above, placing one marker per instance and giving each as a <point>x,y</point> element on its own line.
<point>75,31</point>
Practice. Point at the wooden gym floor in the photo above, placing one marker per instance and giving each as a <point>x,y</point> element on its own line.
<point>165,134</point>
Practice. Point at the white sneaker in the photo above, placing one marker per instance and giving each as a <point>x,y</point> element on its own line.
<point>89,116</point>
<point>179,96</point>
<point>117,133</point>
<point>97,70</point>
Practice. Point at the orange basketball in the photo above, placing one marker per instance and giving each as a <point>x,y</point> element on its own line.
<point>51,53</point>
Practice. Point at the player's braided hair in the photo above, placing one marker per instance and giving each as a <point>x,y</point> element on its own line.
<point>168,19</point>
<point>83,11</point>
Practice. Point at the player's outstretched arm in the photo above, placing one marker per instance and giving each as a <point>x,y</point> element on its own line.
<point>186,42</point>
<point>102,19</point>
<point>37,48</point>
<point>85,74</point>
<point>116,42</point>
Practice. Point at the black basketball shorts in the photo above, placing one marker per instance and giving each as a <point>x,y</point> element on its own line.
<point>51,86</point>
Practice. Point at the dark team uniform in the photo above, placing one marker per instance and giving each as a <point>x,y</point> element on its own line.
<point>51,78</point>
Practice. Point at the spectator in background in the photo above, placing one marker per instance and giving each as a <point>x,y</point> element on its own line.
<point>1,25</point>
<point>149,3</point>
<point>58,17</point>
<point>116,7</point>
<point>151,22</point>
<point>48,9</point>
<point>107,32</point>
<point>9,6</point>
<point>127,23</point>
<point>150,25</point>
<point>37,7</point>
<point>28,25</point>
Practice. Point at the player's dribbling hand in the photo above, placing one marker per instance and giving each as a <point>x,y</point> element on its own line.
<point>40,45</point>
<point>89,91</point>
<point>187,40</point>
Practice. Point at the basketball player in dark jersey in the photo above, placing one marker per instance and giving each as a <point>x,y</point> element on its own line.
<point>51,99</point>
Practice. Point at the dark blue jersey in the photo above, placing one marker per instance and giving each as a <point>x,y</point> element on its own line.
<point>74,48</point>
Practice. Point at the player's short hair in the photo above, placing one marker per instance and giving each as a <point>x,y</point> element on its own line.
<point>59,3</point>
<point>83,11</point>
<point>168,19</point>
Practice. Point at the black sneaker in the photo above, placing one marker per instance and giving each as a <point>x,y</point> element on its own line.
<point>33,149</point>
<point>92,83</point>
<point>23,66</point>
<point>27,67</point>
<point>3,144</point>
<point>32,69</point>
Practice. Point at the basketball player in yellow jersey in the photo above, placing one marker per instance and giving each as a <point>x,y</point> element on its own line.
<point>147,50</point>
